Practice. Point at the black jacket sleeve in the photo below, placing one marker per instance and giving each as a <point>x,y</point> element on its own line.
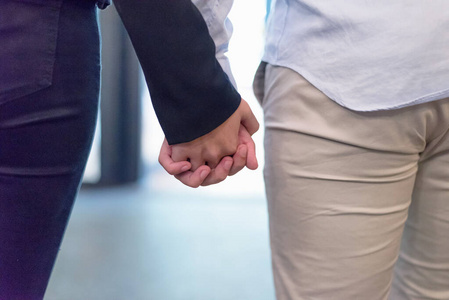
<point>190,92</point>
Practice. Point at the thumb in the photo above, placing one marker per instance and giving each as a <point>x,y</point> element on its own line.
<point>247,118</point>
<point>245,139</point>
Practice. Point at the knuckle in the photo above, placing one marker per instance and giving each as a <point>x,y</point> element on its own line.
<point>192,185</point>
<point>219,177</point>
<point>235,171</point>
<point>161,161</point>
<point>188,181</point>
<point>170,171</point>
<point>207,182</point>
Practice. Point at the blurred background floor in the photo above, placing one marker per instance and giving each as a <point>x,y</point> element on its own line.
<point>137,243</point>
<point>157,239</point>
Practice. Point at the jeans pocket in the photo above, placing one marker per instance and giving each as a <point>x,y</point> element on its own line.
<point>28,38</point>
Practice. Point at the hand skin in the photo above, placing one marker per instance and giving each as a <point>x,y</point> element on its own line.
<point>204,175</point>
<point>210,148</point>
<point>207,159</point>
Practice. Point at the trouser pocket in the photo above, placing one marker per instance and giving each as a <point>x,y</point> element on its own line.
<point>259,82</point>
<point>28,36</point>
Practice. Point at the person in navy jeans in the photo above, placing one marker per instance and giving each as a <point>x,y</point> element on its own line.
<point>49,88</point>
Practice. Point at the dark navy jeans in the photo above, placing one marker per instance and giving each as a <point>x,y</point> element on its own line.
<point>49,86</point>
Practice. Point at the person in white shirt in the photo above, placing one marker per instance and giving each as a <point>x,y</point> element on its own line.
<point>356,112</point>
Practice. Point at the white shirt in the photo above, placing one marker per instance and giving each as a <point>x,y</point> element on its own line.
<point>215,14</point>
<point>365,55</point>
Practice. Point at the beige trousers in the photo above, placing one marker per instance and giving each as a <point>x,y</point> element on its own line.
<point>358,201</point>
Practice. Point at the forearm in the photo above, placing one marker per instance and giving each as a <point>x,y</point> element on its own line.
<point>190,92</point>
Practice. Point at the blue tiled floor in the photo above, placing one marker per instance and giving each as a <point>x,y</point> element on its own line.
<point>139,244</point>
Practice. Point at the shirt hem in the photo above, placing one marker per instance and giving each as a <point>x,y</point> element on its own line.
<point>435,96</point>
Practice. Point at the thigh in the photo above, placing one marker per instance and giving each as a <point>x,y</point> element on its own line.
<point>422,270</point>
<point>339,184</point>
<point>45,138</point>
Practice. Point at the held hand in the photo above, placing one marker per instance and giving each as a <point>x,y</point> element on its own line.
<point>210,148</point>
<point>222,165</point>
<point>181,169</point>
<point>245,156</point>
